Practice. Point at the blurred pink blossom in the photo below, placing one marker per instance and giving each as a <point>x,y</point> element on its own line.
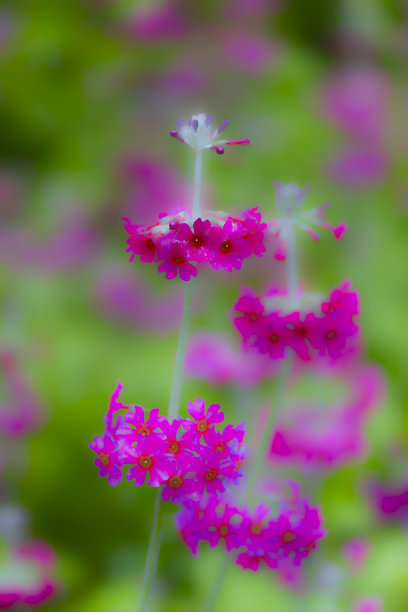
<point>358,166</point>
<point>23,410</point>
<point>154,21</point>
<point>314,436</point>
<point>120,296</point>
<point>212,357</point>
<point>251,53</point>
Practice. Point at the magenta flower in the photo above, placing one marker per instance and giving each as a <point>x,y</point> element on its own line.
<point>229,246</point>
<point>202,419</point>
<point>109,459</point>
<point>174,260</point>
<point>148,459</point>
<point>198,134</point>
<point>198,239</point>
<point>178,487</point>
<point>266,327</point>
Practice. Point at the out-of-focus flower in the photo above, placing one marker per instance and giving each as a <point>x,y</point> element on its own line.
<point>358,167</point>
<point>391,501</point>
<point>27,575</point>
<point>122,297</point>
<point>151,187</point>
<point>355,552</point>
<point>24,409</point>
<point>313,436</point>
<point>250,53</point>
<point>356,101</point>
<point>212,357</point>
<point>290,213</point>
<point>154,21</point>
<point>369,604</point>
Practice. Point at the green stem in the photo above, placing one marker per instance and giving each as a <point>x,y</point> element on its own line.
<point>217,585</point>
<point>152,553</point>
<point>291,264</point>
<point>174,404</point>
<point>268,429</point>
<point>181,351</point>
<point>197,185</point>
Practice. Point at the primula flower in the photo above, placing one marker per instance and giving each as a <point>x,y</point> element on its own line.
<point>229,246</point>
<point>174,261</point>
<point>216,239</point>
<point>369,604</point>
<point>109,460</point>
<point>174,455</point>
<point>313,436</point>
<point>213,358</point>
<point>202,419</point>
<point>198,134</point>
<point>290,214</point>
<point>35,560</point>
<point>327,329</point>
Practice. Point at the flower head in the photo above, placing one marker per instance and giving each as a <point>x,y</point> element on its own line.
<point>290,213</point>
<point>198,134</point>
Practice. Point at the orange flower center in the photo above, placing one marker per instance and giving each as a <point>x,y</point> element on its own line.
<point>175,482</point>
<point>226,246</point>
<point>288,537</point>
<point>104,458</point>
<point>223,530</point>
<point>202,425</point>
<point>145,462</point>
<point>144,429</point>
<point>211,474</point>
<point>174,447</point>
<point>256,529</point>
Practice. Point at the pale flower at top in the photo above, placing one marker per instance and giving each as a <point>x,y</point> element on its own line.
<point>198,134</point>
<point>290,213</point>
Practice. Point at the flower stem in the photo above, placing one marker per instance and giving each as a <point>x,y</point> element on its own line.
<point>197,185</point>
<point>291,264</point>
<point>174,404</point>
<point>263,444</point>
<point>152,553</point>
<point>217,585</point>
<point>181,351</point>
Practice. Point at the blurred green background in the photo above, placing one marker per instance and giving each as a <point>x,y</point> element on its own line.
<point>86,85</point>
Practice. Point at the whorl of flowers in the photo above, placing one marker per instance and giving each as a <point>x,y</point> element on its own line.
<point>326,329</point>
<point>187,457</point>
<point>179,243</point>
<point>254,537</point>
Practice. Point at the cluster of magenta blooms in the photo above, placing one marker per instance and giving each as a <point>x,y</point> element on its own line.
<point>327,330</point>
<point>194,463</point>
<point>180,244</point>
<point>197,466</point>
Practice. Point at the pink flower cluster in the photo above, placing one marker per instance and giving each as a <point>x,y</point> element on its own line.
<point>311,436</point>
<point>38,559</point>
<point>257,538</point>
<point>187,457</point>
<point>271,330</point>
<point>178,244</point>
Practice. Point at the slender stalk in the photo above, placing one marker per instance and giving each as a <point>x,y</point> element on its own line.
<point>181,351</point>
<point>291,264</point>
<point>152,553</point>
<point>197,185</point>
<point>268,429</point>
<point>217,585</point>
<point>174,404</point>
